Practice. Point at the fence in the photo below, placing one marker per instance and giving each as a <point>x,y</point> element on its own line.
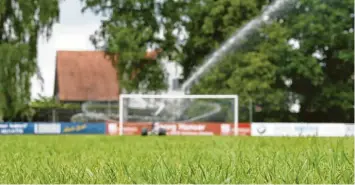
<point>73,115</point>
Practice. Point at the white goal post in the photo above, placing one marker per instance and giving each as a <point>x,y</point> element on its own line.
<point>179,102</point>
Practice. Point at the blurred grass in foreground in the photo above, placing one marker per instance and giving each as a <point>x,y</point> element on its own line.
<point>176,159</point>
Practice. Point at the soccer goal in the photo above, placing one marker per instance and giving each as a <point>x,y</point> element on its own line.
<point>179,114</point>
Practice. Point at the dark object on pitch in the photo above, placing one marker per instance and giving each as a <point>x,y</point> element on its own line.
<point>159,132</point>
<point>162,132</point>
<point>144,132</point>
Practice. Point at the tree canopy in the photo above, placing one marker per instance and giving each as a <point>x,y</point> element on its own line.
<point>21,23</point>
<point>317,72</point>
<point>132,26</point>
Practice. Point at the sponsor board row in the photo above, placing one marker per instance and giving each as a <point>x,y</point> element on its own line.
<point>113,128</point>
<point>302,129</point>
<point>135,128</point>
<point>227,129</point>
<point>129,128</point>
<point>52,128</point>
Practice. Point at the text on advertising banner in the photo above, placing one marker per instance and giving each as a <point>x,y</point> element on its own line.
<point>47,128</point>
<point>83,128</point>
<point>16,128</point>
<point>202,128</point>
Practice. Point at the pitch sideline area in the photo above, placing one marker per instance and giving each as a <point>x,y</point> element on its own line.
<point>175,159</point>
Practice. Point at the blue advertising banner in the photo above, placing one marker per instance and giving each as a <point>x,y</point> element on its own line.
<point>83,128</point>
<point>16,128</point>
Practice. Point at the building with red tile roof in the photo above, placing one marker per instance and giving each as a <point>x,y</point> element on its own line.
<point>87,76</point>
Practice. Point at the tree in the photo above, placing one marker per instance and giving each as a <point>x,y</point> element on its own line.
<point>21,22</point>
<point>133,25</point>
<point>210,24</point>
<point>323,85</point>
<point>125,36</point>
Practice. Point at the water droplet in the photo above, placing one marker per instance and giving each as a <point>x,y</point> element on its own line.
<point>266,18</point>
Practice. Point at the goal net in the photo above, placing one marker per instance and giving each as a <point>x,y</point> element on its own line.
<point>179,114</point>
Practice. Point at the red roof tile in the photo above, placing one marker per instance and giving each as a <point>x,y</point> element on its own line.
<point>87,75</point>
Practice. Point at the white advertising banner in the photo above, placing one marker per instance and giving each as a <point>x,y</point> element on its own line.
<point>330,129</point>
<point>271,129</point>
<point>283,129</point>
<point>47,128</point>
<point>302,129</point>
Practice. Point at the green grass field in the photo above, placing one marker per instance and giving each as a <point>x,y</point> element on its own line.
<point>156,160</point>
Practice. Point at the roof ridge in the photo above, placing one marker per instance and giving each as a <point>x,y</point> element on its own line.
<point>80,51</point>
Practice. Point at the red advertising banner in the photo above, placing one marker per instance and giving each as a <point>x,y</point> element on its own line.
<point>227,129</point>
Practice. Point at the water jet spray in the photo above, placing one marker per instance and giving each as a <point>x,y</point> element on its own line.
<point>235,41</point>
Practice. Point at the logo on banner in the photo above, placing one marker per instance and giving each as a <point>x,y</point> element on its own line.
<point>349,130</point>
<point>75,128</point>
<point>225,129</point>
<point>112,128</point>
<point>191,127</point>
<point>306,130</point>
<point>261,129</point>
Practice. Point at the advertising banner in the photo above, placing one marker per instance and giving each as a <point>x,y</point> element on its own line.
<point>47,128</point>
<point>16,128</point>
<point>135,128</point>
<point>83,128</point>
<point>330,129</point>
<point>299,129</point>
<point>227,129</point>
<point>262,129</point>
<point>283,129</point>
